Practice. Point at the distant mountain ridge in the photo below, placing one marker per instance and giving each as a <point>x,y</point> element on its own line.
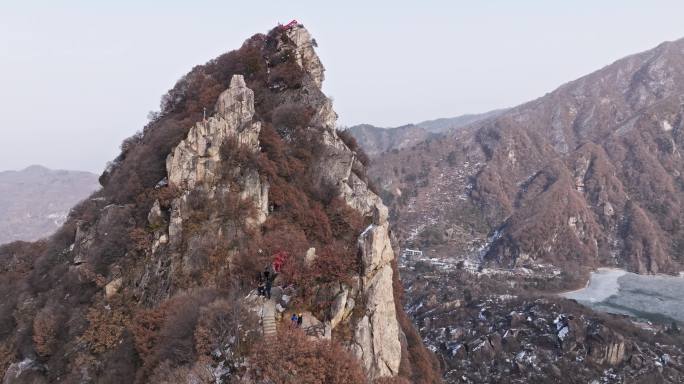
<point>376,140</point>
<point>446,124</point>
<point>35,201</point>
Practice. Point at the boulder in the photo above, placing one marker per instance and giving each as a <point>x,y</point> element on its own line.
<point>155,217</point>
<point>338,309</point>
<point>606,346</point>
<point>314,328</point>
<point>112,288</point>
<point>482,351</point>
<point>495,340</point>
<point>310,257</point>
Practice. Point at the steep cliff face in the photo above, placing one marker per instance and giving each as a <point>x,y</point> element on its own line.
<point>588,175</point>
<point>156,270</point>
<point>376,337</point>
<point>305,55</point>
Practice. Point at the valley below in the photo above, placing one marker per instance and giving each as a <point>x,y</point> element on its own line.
<point>495,325</point>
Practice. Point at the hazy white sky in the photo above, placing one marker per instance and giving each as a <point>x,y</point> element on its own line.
<point>77,77</point>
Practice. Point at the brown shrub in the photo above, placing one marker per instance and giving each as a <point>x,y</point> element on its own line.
<point>292,358</point>
<point>287,118</point>
<point>45,327</point>
<point>280,234</point>
<point>145,327</point>
<point>248,259</point>
<point>336,262</point>
<point>288,73</point>
<point>140,238</point>
<point>106,328</point>
<point>236,159</point>
<point>232,206</point>
<point>176,341</point>
<point>225,326</point>
<point>166,333</point>
<point>119,364</point>
<point>167,373</point>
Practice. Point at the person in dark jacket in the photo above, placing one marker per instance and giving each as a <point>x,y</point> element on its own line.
<point>269,283</point>
<point>300,320</point>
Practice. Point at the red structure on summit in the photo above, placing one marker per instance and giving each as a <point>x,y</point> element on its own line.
<point>289,25</point>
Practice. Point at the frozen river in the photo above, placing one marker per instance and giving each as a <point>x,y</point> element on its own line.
<point>657,298</point>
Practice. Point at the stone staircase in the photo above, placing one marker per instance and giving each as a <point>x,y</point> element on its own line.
<point>268,321</point>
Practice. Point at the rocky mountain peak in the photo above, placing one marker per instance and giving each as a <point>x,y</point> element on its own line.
<point>305,54</point>
<point>241,171</point>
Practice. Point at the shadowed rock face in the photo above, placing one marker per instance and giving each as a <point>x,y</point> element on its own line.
<point>589,174</point>
<point>35,202</point>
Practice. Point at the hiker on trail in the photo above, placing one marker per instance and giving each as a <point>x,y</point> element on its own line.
<point>300,320</point>
<point>267,274</point>
<point>294,320</point>
<point>269,283</point>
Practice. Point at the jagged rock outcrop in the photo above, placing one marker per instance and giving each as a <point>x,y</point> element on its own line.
<point>306,55</point>
<point>196,160</point>
<point>377,334</point>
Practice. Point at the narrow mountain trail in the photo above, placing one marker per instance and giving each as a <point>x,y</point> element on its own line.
<point>268,321</point>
